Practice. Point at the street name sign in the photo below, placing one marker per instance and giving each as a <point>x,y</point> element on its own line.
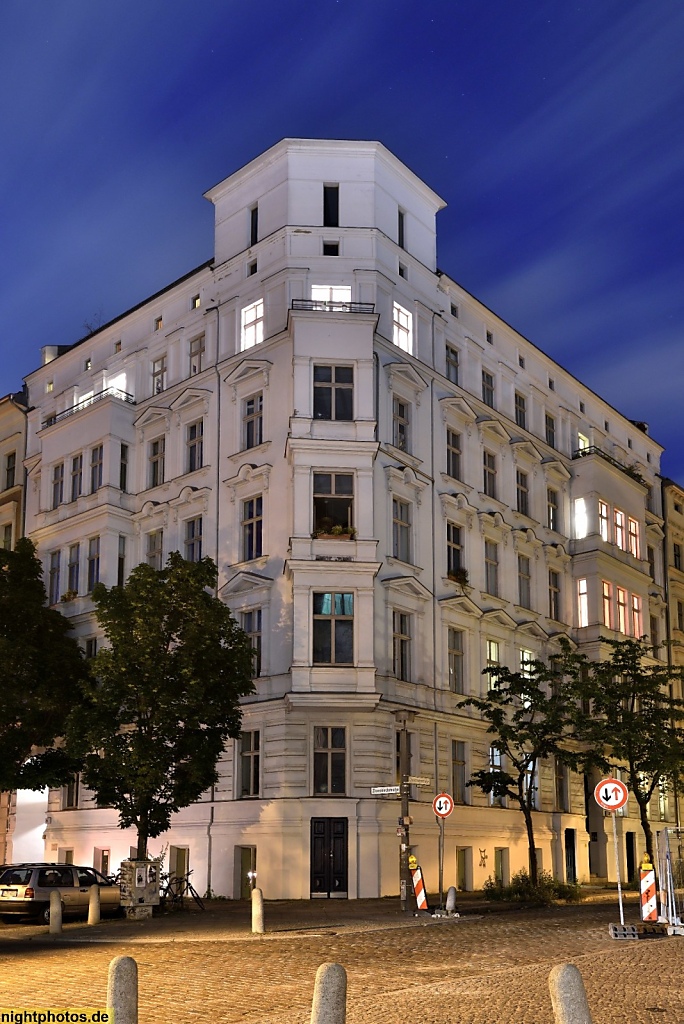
<point>611,794</point>
<point>418,780</point>
<point>385,790</point>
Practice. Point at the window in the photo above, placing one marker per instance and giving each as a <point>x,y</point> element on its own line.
<point>524,582</point>
<point>495,765</point>
<point>90,649</point>
<point>96,462</point>
<point>57,484</point>
<point>333,501</point>
<point>331,248</point>
<point>158,323</point>
<point>93,562</point>
<point>87,364</point>
<point>550,427</point>
<point>662,800</point>
<point>401,229</point>
<point>331,206</point>
<point>193,539</point>
<point>636,616</point>
<point>520,410</point>
<point>582,442</point>
<point>552,510</point>
<point>452,364</point>
<point>117,346</point>
<point>488,388</point>
<point>252,523</point>
<point>155,549</point>
<point>521,362</point>
<point>253,421</point>
<point>252,325</point>
<point>581,518</point>
<point>50,387</point>
<point>458,771</point>
<point>252,268</point>
<point>492,568</point>
<point>403,271</point>
<point>123,468</point>
<point>603,520</point>
<point>680,615</point>
<point>402,333</point>
<point>76,477</point>
<point>522,492</point>
<point>158,375</point>
<point>7,537</point>
<point>606,425</point>
<point>401,530</point>
<point>195,302</point>
<point>582,603</point>
<point>194,440</point>
<point>329,760</point>
<point>560,777</point>
<point>454,549</point>
<point>490,337</point>
<point>333,396</point>
<point>619,523</point>
<point>157,451</point>
<point>70,794</point>
<point>492,655</point>
<point>607,598</point>
<point>454,310</point>
<point>489,474</point>
<point>401,414</point>
<point>554,595</point>
<point>677,555</point>
<point>333,296</point>
<point>251,624</point>
<point>196,355</point>
<point>249,763</point>
<point>121,562</point>
<point>453,454</point>
<point>254,225</point>
<point>73,567</point>
<point>455,655</point>
<point>53,578</point>
<point>525,663</point>
<point>650,555</point>
<point>401,642</point>
<point>621,609</point>
<point>633,536</point>
<point>333,629</point>
<point>10,469</point>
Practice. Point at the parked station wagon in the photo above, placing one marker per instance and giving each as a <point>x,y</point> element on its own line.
<point>25,890</point>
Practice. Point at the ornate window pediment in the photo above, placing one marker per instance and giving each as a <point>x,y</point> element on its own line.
<point>401,377</point>
<point>555,467</point>
<point>526,448</point>
<point>499,617</point>
<point>461,603</point>
<point>457,409</point>
<point>493,428</point>
<point>244,583</point>
<point>153,415</point>
<point>408,587</point>
<point>250,373</point>
<point>192,396</point>
<point>533,629</point>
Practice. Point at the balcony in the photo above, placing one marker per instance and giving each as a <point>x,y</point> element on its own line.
<point>630,471</point>
<point>123,396</point>
<point>318,305</point>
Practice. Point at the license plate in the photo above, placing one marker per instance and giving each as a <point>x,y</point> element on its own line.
<point>9,892</point>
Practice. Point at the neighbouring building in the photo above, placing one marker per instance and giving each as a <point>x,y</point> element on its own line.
<point>398,489</point>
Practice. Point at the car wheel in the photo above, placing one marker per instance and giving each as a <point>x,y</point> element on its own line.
<point>44,915</point>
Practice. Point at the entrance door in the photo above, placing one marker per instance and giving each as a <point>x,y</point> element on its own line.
<point>630,851</point>
<point>570,862</point>
<point>329,858</point>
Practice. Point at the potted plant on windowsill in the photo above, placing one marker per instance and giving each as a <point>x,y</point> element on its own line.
<point>459,576</point>
<point>69,595</point>
<point>336,532</point>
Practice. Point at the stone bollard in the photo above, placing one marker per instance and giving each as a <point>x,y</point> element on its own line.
<point>329,1004</point>
<point>257,912</point>
<point>568,996</point>
<point>451,900</point>
<point>122,989</point>
<point>94,905</point>
<point>55,913</point>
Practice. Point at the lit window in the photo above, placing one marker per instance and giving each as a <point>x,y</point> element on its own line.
<point>196,355</point>
<point>402,333</point>
<point>333,629</point>
<point>493,654</point>
<point>582,442</point>
<point>582,603</point>
<point>607,597</point>
<point>329,766</point>
<point>603,520</point>
<point>331,295</point>
<point>195,302</point>
<point>452,364</point>
<point>158,323</point>
<point>252,421</point>
<point>619,522</point>
<point>621,609</point>
<point>492,568</point>
<point>155,549</point>
<point>525,662</point>
<point>637,627</point>
<point>488,388</point>
<point>455,655</point>
<point>333,392</point>
<point>252,325</point>
<point>401,643</point>
<point>50,387</point>
<point>453,453</point>
<point>193,539</point>
<point>252,528</point>
<point>581,518</point>
<point>249,764</point>
<point>633,536</point>
<point>401,530</point>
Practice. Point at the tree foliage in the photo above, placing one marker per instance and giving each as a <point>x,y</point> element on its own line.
<point>153,727</point>
<point>530,716</point>
<point>41,667</point>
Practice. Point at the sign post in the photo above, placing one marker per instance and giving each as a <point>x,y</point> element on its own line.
<point>442,806</point>
<point>611,795</point>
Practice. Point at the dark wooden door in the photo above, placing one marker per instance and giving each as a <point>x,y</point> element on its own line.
<point>570,861</point>
<point>329,860</point>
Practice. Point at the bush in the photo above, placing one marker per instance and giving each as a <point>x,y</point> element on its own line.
<point>546,892</point>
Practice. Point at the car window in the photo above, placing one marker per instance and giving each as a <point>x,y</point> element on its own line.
<point>15,876</point>
<point>86,876</point>
<point>59,875</point>
<point>101,879</point>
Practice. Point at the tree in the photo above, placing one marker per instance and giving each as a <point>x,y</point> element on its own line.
<point>631,721</point>
<point>41,668</point>
<point>153,727</point>
<point>530,715</point>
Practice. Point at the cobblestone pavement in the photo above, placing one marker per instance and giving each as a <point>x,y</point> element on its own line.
<point>484,968</point>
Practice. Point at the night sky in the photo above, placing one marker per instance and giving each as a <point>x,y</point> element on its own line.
<point>554,130</point>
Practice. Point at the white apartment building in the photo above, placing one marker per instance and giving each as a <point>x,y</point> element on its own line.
<point>345,429</point>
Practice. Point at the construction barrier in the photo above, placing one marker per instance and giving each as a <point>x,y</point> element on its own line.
<point>419,889</point>
<point>649,903</point>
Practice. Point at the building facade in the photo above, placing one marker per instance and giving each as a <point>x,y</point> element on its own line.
<point>399,490</point>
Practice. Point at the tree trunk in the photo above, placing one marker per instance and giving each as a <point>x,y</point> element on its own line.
<point>648,835</point>
<point>529,828</point>
<point>143,831</point>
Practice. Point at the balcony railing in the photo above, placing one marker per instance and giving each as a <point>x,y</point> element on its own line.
<point>123,396</point>
<point>333,307</point>
<point>592,449</point>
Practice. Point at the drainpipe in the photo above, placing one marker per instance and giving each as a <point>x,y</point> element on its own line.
<point>668,627</point>
<point>216,309</point>
<point>209,841</point>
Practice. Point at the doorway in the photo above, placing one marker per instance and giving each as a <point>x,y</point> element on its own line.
<point>570,857</point>
<point>329,860</point>
<point>245,861</point>
<point>630,853</point>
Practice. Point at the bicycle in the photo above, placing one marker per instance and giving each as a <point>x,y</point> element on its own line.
<point>175,889</point>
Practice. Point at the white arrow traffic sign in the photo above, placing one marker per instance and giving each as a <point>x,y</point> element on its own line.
<point>443,805</point>
<point>611,794</point>
<point>385,790</point>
